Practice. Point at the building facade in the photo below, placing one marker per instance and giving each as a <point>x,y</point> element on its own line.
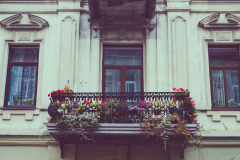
<point>159,45</point>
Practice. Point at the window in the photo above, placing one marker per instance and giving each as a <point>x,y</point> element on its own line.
<point>21,85</point>
<point>122,69</point>
<point>224,76</point>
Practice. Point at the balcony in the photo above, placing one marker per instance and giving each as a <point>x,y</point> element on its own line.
<point>123,120</point>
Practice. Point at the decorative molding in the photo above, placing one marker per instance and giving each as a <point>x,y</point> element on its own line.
<point>68,17</point>
<point>67,50</point>
<point>169,9</point>
<point>179,52</point>
<point>216,115</point>
<point>208,19</point>
<point>220,21</point>
<point>40,21</point>
<point>14,22</point>
<point>115,23</point>
<point>12,19</point>
<point>6,114</point>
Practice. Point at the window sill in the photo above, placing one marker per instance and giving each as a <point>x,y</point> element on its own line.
<point>19,108</point>
<point>28,112</point>
<point>216,115</point>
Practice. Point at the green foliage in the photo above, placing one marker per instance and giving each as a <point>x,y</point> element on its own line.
<point>78,123</point>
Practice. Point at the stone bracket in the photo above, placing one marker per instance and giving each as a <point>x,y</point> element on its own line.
<point>216,115</point>
<point>6,114</point>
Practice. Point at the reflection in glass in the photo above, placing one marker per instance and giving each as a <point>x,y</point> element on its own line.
<point>28,89</point>
<point>14,95</point>
<point>112,80</point>
<point>123,55</point>
<point>232,88</point>
<point>218,88</point>
<point>133,80</point>
<point>223,56</point>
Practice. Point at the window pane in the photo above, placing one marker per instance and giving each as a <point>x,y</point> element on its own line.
<point>233,88</point>
<point>15,86</point>
<point>133,80</point>
<point>112,80</point>
<point>223,56</point>
<point>28,89</point>
<point>24,54</point>
<point>123,55</point>
<point>218,88</point>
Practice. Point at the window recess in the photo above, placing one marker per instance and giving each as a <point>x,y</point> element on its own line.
<point>21,84</point>
<point>224,76</point>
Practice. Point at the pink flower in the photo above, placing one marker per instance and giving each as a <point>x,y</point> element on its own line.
<point>174,88</point>
<point>76,100</point>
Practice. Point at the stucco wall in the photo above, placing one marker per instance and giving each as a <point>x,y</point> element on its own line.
<point>175,55</point>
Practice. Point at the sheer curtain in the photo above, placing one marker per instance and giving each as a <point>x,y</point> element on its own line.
<point>218,88</point>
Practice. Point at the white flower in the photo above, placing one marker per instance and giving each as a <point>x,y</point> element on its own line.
<point>60,110</point>
<point>63,105</point>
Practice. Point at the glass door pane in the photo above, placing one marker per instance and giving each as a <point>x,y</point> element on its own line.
<point>112,80</point>
<point>133,80</point>
<point>232,88</point>
<point>218,88</point>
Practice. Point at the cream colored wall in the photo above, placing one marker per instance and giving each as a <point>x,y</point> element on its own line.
<point>175,56</point>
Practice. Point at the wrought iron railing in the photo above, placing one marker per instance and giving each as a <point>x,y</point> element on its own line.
<point>128,109</point>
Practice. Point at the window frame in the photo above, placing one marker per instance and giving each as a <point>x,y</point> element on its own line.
<point>224,68</point>
<point>122,68</point>
<point>9,65</point>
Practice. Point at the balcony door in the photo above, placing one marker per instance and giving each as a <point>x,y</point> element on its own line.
<point>122,69</point>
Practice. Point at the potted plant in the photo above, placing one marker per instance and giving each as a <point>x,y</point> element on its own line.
<point>16,98</point>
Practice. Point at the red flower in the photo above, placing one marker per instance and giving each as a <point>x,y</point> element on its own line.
<point>83,103</point>
<point>54,91</point>
<point>174,99</point>
<point>90,101</point>
<point>76,100</point>
<point>174,88</point>
<point>100,104</point>
<point>87,102</point>
<point>97,98</point>
<point>48,95</point>
<point>72,111</point>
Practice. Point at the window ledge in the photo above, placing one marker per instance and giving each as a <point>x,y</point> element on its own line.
<point>6,114</point>
<point>216,115</point>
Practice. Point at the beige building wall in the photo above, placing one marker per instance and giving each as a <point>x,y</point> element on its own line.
<point>175,55</point>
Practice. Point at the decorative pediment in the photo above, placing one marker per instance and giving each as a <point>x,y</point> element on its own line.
<point>24,21</point>
<point>220,21</point>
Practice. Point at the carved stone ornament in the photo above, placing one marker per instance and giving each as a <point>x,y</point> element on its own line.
<point>220,21</point>
<point>24,22</point>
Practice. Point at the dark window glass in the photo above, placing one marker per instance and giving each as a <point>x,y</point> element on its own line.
<point>22,76</point>
<point>123,55</point>
<point>122,69</point>
<point>224,70</point>
<point>223,56</point>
